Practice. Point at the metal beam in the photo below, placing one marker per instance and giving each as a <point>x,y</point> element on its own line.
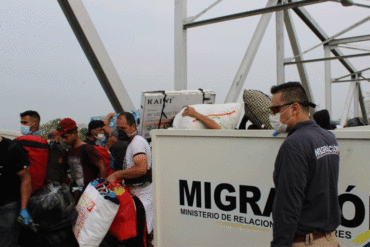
<point>180,45</point>
<point>347,103</point>
<point>338,34</point>
<point>321,34</point>
<point>294,43</point>
<point>352,74</point>
<point>327,79</point>
<point>93,47</point>
<point>253,13</point>
<point>280,72</point>
<point>362,105</point>
<point>355,4</point>
<point>249,56</point>
<point>193,18</point>
<point>350,40</point>
<point>330,58</point>
<point>356,102</point>
<point>352,80</point>
<point>352,47</point>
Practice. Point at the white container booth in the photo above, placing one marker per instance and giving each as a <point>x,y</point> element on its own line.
<point>215,188</point>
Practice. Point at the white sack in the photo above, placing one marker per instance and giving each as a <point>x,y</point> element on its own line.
<point>225,115</point>
<point>95,215</point>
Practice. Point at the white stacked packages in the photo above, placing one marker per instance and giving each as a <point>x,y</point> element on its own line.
<point>225,115</point>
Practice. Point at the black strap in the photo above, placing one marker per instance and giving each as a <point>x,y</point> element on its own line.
<point>33,144</point>
<point>204,95</point>
<point>162,112</point>
<point>12,145</point>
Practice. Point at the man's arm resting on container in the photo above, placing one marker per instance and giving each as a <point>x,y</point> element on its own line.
<point>139,169</point>
<point>209,123</point>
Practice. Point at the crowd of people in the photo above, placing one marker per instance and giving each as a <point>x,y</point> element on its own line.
<point>305,211</point>
<point>77,163</point>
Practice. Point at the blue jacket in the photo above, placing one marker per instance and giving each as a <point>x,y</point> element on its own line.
<point>306,180</point>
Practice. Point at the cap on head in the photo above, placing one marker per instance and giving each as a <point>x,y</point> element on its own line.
<point>95,124</point>
<point>65,125</point>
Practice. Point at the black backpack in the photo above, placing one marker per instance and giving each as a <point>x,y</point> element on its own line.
<point>57,164</point>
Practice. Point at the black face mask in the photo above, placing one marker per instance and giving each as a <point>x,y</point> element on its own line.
<point>122,136</point>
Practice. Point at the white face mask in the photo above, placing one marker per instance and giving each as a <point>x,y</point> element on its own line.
<point>100,137</point>
<point>133,133</point>
<point>278,126</point>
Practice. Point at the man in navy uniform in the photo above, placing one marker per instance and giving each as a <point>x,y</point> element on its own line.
<point>306,209</point>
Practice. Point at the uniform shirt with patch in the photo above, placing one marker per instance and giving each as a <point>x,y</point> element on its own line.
<point>75,164</point>
<point>306,180</point>
<point>138,146</point>
<point>12,161</point>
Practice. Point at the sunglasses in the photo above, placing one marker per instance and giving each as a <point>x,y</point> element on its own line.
<point>274,109</point>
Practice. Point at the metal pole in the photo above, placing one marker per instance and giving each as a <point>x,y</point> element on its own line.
<point>266,10</point>
<point>249,56</point>
<point>327,79</point>
<point>322,35</point>
<point>347,103</point>
<point>362,105</point>
<point>280,47</point>
<point>193,18</point>
<point>96,53</point>
<point>356,100</point>
<point>301,67</point>
<point>331,58</point>
<point>338,34</point>
<point>180,45</point>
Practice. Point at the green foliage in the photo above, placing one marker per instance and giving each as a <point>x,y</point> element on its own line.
<point>46,127</point>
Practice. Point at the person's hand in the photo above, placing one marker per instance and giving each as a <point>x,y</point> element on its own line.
<point>24,217</point>
<point>111,141</point>
<point>112,178</point>
<point>189,111</point>
<point>108,117</point>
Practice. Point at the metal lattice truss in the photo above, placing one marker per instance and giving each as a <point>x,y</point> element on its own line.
<point>282,10</point>
<point>100,61</point>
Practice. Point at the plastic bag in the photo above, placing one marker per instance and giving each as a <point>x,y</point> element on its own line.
<point>52,207</point>
<point>96,212</point>
<point>124,224</point>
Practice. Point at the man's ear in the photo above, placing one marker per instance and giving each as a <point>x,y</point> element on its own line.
<point>296,108</point>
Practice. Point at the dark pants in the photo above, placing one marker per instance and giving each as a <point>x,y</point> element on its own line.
<point>9,228</point>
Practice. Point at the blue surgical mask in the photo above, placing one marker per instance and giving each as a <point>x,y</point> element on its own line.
<point>25,130</point>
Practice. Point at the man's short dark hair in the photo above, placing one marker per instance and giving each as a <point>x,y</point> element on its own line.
<point>94,124</point>
<point>31,114</point>
<point>129,117</point>
<point>291,92</point>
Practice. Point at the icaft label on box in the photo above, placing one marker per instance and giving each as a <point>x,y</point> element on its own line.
<point>159,108</point>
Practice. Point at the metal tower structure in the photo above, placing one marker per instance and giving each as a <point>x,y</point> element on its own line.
<point>100,61</point>
<point>283,10</point>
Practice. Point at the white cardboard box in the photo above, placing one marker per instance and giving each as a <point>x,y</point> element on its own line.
<point>152,103</point>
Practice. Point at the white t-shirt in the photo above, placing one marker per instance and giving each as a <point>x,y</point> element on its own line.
<point>137,146</point>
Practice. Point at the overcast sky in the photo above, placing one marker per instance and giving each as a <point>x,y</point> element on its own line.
<point>43,68</point>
